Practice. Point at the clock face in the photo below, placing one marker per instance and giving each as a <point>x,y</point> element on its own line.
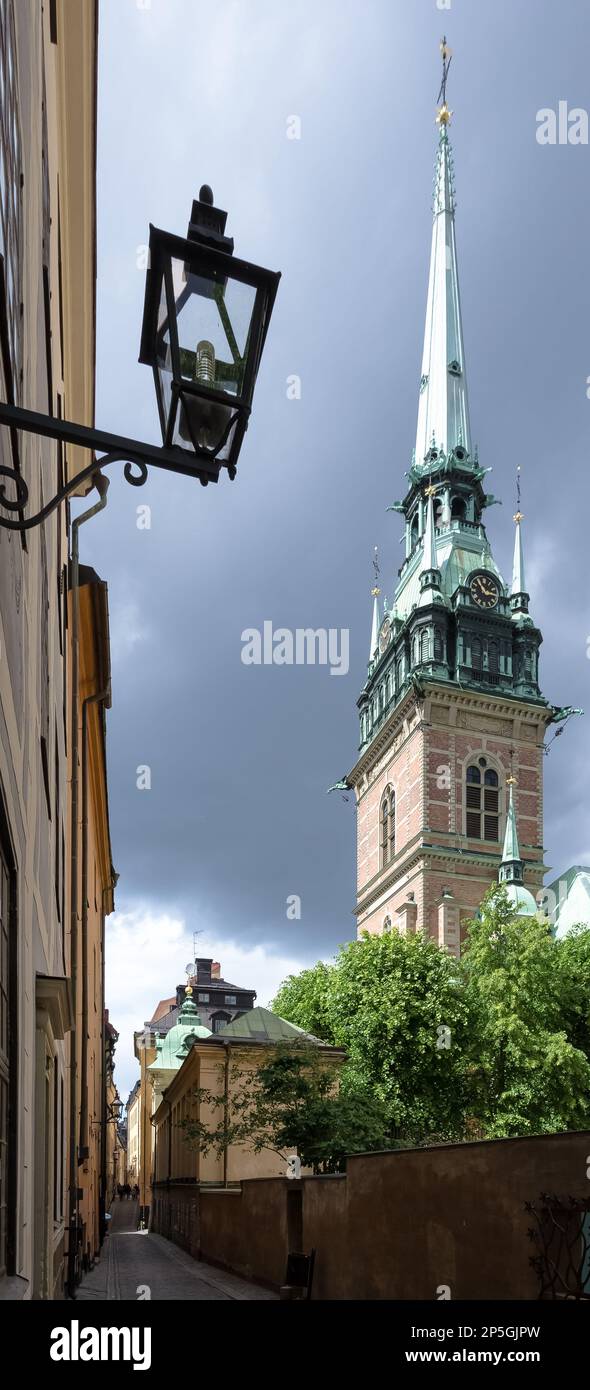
<point>384,635</point>
<point>484,589</point>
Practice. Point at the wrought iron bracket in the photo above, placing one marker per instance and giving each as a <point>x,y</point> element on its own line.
<point>113,448</point>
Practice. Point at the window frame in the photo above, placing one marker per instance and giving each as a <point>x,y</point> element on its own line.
<point>387,828</point>
<point>482,799</point>
<point>219,1020</point>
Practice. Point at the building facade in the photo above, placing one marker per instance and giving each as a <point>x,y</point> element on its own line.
<point>218,1003</point>
<point>55,868</point>
<point>133,1116</point>
<point>452,707</point>
<point>566,901</point>
<point>114,1149</point>
<point>92,1042</point>
<point>191,1077</point>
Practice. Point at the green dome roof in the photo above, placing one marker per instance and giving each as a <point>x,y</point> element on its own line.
<point>176,1044</point>
<point>521,899</point>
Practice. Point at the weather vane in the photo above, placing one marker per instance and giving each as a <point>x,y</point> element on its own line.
<point>376,588</point>
<point>518,515</point>
<point>444,115</point>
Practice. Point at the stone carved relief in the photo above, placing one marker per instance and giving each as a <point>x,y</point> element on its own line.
<point>479,722</point>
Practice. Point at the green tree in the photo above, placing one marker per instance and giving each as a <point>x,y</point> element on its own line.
<point>291,1103</point>
<point>303,1000</point>
<point>525,1074</point>
<point>573,968</point>
<point>396,1004</point>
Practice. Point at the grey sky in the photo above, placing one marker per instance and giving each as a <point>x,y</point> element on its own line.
<point>238,817</point>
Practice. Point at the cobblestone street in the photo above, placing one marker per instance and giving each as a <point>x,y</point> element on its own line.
<point>136,1265</point>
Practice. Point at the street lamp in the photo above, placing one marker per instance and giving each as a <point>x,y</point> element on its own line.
<point>205,320</point>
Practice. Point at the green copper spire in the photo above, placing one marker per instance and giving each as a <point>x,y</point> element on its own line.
<point>518,579</point>
<point>443,409</point>
<point>375,591</point>
<point>511,851</point>
<point>510,873</point>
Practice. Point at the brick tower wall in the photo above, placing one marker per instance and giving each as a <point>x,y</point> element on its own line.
<point>425,759</point>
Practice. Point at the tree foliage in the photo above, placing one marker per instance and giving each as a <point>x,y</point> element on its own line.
<point>495,1044</point>
<point>292,1103</point>
<point>528,1073</point>
<point>303,1000</point>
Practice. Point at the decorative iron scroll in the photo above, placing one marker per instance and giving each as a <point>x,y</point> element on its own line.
<point>562,1241</point>
<point>19,503</point>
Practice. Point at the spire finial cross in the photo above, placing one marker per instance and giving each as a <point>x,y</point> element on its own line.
<point>443,114</point>
<point>511,780</point>
<point>518,515</point>
<point>376,589</point>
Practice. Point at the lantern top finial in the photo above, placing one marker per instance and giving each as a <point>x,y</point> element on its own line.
<point>206,194</point>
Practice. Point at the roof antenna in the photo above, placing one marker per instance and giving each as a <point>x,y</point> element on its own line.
<point>191,968</point>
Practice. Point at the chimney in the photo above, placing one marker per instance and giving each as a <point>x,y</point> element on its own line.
<point>215,970</point>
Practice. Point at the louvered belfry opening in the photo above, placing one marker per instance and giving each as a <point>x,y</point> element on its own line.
<point>482,802</point>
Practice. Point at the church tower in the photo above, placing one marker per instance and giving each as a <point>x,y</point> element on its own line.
<point>451,707</point>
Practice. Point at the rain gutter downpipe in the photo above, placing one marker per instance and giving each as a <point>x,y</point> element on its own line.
<point>101,483</point>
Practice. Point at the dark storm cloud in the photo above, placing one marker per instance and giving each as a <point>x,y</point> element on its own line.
<point>238,817</point>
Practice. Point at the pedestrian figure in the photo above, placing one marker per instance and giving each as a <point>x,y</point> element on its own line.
<point>120,1191</point>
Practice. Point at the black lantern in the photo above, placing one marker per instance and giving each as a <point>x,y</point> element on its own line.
<point>205,320</point>
<point>206,316</point>
<point>116,1109</point>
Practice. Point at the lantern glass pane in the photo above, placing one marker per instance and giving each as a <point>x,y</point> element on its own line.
<point>201,425</point>
<point>214,315</point>
<point>163,353</point>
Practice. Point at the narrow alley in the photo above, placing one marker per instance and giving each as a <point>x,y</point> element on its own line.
<point>137,1265</point>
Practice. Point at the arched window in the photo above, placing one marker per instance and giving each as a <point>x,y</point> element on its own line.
<point>387,819</point>
<point>425,645</point>
<point>493,660</point>
<point>458,508</point>
<point>438,645</point>
<point>414,531</point>
<point>482,803</point>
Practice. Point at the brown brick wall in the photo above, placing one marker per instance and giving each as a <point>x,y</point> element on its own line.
<point>426,761</point>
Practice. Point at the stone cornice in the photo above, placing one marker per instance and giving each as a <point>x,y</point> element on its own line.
<point>497,705</point>
<point>448,856</point>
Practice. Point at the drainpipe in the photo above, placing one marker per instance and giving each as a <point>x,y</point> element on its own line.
<point>101,483</point>
<point>225,1108</point>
